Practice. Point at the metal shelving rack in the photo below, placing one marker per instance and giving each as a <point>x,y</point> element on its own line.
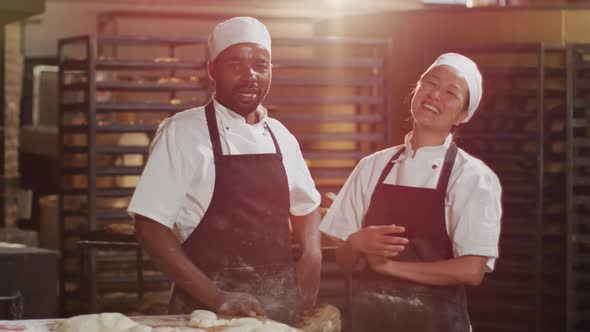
<point>101,98</point>
<point>578,187</point>
<point>518,132</point>
<point>116,22</point>
<point>331,93</point>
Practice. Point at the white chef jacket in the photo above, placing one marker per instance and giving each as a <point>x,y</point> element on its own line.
<point>472,204</point>
<point>177,183</point>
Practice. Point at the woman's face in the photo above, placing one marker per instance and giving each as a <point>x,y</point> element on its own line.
<point>440,100</point>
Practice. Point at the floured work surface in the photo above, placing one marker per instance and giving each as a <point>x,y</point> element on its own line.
<point>325,318</point>
<point>179,323</point>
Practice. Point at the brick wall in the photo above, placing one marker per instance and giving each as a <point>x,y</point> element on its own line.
<point>13,75</point>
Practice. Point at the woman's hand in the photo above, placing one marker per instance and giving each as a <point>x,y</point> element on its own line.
<point>379,264</point>
<point>378,240</point>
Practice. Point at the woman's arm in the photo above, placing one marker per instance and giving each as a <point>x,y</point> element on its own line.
<point>463,270</point>
<point>372,240</point>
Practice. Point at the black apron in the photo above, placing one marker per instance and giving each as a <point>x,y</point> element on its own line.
<point>384,303</point>
<point>243,242</point>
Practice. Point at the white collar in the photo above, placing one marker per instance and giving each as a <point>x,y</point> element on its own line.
<point>435,151</point>
<point>229,117</point>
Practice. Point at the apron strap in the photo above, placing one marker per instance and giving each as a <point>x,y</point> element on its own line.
<point>213,130</point>
<point>390,164</point>
<point>274,139</point>
<point>445,173</point>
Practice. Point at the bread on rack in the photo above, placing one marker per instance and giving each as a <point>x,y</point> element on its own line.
<point>122,229</point>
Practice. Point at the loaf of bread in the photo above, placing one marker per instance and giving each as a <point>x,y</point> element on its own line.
<point>123,229</point>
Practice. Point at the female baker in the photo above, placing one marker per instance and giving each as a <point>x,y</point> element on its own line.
<point>424,215</point>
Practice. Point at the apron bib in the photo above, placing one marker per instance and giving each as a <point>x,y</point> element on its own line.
<point>384,303</point>
<point>243,242</point>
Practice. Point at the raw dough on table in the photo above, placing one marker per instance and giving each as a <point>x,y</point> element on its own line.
<point>241,325</point>
<point>256,325</point>
<point>177,329</point>
<point>274,327</point>
<point>105,322</point>
<point>139,328</point>
<point>245,323</point>
<point>204,319</point>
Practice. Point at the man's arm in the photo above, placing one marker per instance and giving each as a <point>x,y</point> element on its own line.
<point>463,270</point>
<point>166,252</point>
<point>308,267</point>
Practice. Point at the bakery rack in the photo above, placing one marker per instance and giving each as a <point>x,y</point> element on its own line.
<point>109,109</point>
<point>578,187</point>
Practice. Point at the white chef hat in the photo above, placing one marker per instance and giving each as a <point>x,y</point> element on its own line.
<point>237,30</point>
<point>468,70</point>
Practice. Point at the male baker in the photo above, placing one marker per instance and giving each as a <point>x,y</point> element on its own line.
<point>227,180</point>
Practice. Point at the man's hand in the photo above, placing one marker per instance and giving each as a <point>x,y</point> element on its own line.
<point>377,240</point>
<point>308,279</point>
<point>238,304</point>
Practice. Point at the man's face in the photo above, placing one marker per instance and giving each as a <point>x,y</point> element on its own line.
<point>242,75</point>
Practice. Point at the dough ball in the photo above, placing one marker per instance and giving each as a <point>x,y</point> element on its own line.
<point>204,318</point>
<point>203,314</point>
